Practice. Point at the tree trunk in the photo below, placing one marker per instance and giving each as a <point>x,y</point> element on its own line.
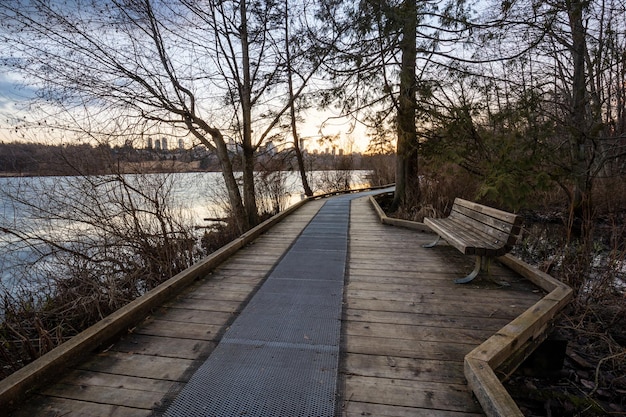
<point>249,195</point>
<point>407,179</point>
<point>292,110</point>
<point>580,204</point>
<point>305,182</point>
<point>234,195</point>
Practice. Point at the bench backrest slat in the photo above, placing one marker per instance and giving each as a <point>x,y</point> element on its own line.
<point>501,225</point>
<point>481,231</point>
<point>505,216</point>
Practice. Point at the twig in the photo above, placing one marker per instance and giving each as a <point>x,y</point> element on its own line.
<point>596,382</point>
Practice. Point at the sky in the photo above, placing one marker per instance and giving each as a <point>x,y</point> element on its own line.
<point>14,96</point>
<point>10,93</point>
<point>13,100</point>
<point>9,97</point>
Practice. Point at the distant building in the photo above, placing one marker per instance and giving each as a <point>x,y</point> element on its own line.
<point>231,145</point>
<point>181,144</point>
<point>149,145</point>
<point>157,145</point>
<point>164,144</point>
<point>269,149</point>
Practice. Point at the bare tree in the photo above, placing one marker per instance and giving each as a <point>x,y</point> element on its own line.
<point>212,71</point>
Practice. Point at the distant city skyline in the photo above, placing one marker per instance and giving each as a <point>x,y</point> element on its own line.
<point>14,98</point>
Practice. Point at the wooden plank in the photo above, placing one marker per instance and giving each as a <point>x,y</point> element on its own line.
<point>83,378</point>
<point>219,295</point>
<point>462,309</point>
<point>414,332</point>
<point>142,366</point>
<point>417,394</point>
<point>407,348</point>
<point>189,315</point>
<point>164,346</point>
<point>396,367</point>
<point>222,285</point>
<point>398,296</point>
<point>235,266</point>
<point>106,395</point>
<point>211,305</point>
<point>430,278</point>
<point>42,406</point>
<point>493,397</point>
<point>352,408</point>
<point>195,331</point>
<point>230,270</point>
<point>450,290</point>
<point>443,322</point>
<point>434,278</point>
<point>252,278</point>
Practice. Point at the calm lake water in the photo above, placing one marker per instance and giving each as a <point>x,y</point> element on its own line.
<point>46,206</point>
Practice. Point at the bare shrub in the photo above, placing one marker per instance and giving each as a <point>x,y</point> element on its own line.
<point>331,181</point>
<point>271,190</point>
<point>439,186</point>
<point>382,169</point>
<point>93,244</point>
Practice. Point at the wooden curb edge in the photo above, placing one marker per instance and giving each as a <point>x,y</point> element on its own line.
<point>528,329</point>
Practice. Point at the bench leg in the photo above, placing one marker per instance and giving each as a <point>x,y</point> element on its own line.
<point>472,275</point>
<point>430,245</point>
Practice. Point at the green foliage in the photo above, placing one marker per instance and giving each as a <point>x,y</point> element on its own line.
<point>511,172</point>
<point>508,151</point>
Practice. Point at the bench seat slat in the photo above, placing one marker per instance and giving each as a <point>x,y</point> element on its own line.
<point>445,229</point>
<point>477,230</point>
<point>479,237</point>
<point>465,239</point>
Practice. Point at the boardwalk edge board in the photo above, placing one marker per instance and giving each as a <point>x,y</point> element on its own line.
<point>15,387</point>
<point>511,344</point>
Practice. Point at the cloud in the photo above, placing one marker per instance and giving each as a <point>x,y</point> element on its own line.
<point>13,91</point>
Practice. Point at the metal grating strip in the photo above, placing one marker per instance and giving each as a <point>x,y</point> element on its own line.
<point>280,357</point>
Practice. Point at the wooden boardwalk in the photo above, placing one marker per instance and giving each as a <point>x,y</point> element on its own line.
<point>406,328</point>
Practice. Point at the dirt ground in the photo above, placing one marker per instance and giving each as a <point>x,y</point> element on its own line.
<point>592,379</point>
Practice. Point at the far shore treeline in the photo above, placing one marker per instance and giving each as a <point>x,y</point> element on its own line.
<point>37,159</point>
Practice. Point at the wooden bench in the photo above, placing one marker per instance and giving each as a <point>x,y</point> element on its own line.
<point>477,230</point>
